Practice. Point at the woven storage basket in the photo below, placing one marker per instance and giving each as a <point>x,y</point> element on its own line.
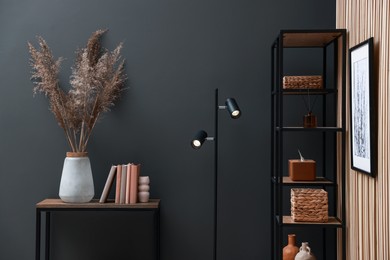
<point>309,205</point>
<point>302,82</point>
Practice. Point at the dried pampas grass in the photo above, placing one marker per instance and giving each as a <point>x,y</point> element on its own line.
<point>97,79</point>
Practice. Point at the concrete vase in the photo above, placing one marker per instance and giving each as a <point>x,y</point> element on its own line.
<point>76,180</point>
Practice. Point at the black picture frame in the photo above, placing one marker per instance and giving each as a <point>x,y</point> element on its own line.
<point>362,111</point>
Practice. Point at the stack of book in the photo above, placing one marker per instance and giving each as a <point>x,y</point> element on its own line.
<point>126,176</point>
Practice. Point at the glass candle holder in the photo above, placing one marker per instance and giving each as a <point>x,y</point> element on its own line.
<point>309,120</point>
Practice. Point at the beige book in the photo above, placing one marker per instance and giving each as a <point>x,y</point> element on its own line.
<point>108,185</point>
<point>123,185</point>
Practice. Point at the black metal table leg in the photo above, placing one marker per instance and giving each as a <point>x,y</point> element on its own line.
<point>47,236</point>
<point>38,235</point>
<point>157,217</point>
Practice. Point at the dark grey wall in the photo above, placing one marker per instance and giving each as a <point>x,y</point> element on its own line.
<point>177,53</point>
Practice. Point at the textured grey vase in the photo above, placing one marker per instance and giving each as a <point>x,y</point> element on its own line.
<point>76,180</point>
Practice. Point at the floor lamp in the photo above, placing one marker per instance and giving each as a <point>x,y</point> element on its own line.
<point>197,142</point>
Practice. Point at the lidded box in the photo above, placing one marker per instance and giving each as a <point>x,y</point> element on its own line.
<point>302,170</point>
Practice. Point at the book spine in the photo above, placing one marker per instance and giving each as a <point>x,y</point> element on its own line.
<point>128,181</point>
<point>118,183</point>
<point>123,185</point>
<point>108,185</point>
<point>135,172</point>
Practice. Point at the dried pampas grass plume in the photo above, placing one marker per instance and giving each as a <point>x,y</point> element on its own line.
<point>97,80</point>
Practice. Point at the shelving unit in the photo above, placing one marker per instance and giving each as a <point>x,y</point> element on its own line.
<point>330,133</point>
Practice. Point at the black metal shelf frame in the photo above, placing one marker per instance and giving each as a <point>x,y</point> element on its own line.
<point>309,39</point>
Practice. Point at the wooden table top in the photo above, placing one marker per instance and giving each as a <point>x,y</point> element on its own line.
<point>95,204</point>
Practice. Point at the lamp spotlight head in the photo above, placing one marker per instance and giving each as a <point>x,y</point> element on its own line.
<point>198,139</point>
<point>233,108</point>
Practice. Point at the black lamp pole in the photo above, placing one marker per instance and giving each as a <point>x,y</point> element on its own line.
<point>216,174</point>
<point>196,143</point>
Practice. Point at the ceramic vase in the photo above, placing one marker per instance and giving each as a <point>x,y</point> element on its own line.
<point>305,253</point>
<point>143,188</point>
<point>76,180</point>
<point>291,250</point>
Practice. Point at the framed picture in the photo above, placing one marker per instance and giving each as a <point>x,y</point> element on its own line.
<point>363,142</point>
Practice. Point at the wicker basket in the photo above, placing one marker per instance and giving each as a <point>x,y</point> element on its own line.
<point>302,82</point>
<point>309,205</point>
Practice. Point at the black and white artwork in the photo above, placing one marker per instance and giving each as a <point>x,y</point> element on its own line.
<point>361,117</point>
<point>361,96</point>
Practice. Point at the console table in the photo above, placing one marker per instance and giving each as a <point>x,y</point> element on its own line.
<point>57,205</point>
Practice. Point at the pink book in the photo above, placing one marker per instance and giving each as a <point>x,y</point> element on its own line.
<point>135,172</point>
<point>128,178</point>
<point>118,183</point>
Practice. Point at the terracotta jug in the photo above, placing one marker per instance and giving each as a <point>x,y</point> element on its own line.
<point>290,251</point>
<point>305,253</point>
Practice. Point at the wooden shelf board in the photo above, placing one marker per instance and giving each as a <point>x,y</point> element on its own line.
<point>314,129</point>
<point>94,204</point>
<point>318,181</point>
<point>332,221</point>
<point>308,91</point>
<point>305,92</point>
<point>309,39</point>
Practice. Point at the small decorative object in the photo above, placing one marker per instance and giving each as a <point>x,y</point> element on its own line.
<point>143,188</point>
<point>302,169</point>
<point>291,250</point>
<point>305,252</point>
<point>362,105</point>
<point>309,205</point>
<point>302,82</point>
<point>76,180</point>
<point>96,82</point>
<point>309,120</point>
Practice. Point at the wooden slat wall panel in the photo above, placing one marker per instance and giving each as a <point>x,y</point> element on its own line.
<point>368,199</point>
